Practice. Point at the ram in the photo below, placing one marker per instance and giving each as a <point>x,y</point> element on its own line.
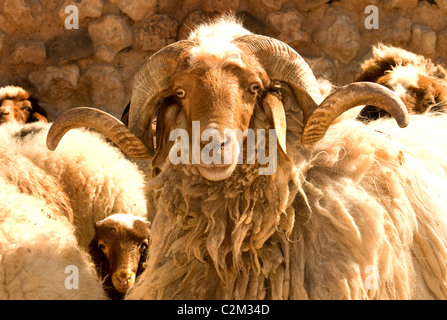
<point>421,84</point>
<point>344,198</point>
<point>16,105</point>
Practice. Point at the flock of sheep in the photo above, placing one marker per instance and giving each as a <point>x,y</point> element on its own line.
<point>354,210</point>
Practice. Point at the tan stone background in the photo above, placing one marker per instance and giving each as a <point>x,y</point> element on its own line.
<point>95,64</point>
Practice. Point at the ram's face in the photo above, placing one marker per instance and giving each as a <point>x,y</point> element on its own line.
<point>220,97</point>
<point>15,110</point>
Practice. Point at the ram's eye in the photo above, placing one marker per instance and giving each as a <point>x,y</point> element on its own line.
<point>254,88</point>
<point>101,245</point>
<point>144,246</point>
<point>180,93</point>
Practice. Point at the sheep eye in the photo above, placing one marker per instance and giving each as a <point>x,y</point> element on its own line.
<point>180,93</point>
<point>254,88</point>
<point>144,247</point>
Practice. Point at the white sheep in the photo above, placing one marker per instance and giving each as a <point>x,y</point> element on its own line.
<point>351,212</point>
<point>96,177</point>
<point>39,254</point>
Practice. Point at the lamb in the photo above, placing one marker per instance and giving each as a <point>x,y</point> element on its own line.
<point>349,212</point>
<point>94,175</point>
<point>119,250</point>
<point>421,84</point>
<point>39,254</point>
<point>16,105</point>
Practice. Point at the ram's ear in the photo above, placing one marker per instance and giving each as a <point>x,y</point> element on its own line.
<point>38,117</point>
<point>275,113</point>
<point>166,119</point>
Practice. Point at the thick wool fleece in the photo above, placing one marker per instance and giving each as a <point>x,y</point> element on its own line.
<point>38,249</point>
<point>29,179</point>
<point>95,175</point>
<point>368,221</point>
<point>372,196</point>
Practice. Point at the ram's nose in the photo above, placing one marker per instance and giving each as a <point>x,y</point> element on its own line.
<point>123,280</point>
<point>124,276</point>
<point>218,150</point>
<point>217,145</point>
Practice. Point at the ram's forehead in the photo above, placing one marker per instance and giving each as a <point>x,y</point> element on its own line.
<point>10,92</point>
<point>126,220</point>
<point>215,59</point>
<point>214,43</point>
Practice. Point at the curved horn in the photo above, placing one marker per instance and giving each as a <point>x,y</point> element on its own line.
<point>99,120</point>
<point>150,85</point>
<point>350,96</point>
<point>284,64</point>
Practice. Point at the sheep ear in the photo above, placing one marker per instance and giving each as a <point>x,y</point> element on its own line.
<point>38,117</point>
<point>98,259</point>
<point>274,111</point>
<point>95,252</point>
<point>166,120</point>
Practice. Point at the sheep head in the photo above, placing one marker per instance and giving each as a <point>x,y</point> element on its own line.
<point>119,249</point>
<point>420,83</point>
<point>17,106</point>
<point>182,83</point>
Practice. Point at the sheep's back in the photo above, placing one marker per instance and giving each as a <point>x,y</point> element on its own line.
<point>95,175</point>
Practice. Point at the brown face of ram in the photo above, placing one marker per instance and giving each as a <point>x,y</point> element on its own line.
<point>12,110</point>
<point>221,96</point>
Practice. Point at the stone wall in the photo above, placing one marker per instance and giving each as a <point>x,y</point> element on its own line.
<point>94,64</point>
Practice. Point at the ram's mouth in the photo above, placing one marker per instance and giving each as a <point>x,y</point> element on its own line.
<point>227,156</point>
<point>216,172</point>
<point>122,285</point>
